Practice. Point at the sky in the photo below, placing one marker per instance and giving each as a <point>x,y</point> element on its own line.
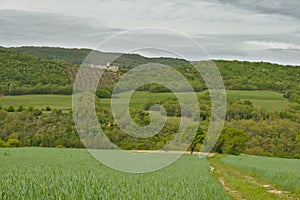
<point>257,30</point>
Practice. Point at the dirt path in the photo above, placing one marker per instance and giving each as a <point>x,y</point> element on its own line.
<point>240,184</point>
<point>173,152</point>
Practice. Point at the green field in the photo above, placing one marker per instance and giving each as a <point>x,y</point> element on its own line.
<point>38,101</point>
<point>43,173</point>
<point>256,177</point>
<point>48,173</point>
<point>283,173</point>
<point>267,99</point>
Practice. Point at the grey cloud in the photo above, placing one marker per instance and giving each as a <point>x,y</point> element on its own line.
<point>226,29</point>
<point>236,47</point>
<point>289,8</point>
<point>37,28</point>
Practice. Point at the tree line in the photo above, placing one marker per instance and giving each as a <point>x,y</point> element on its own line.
<point>247,129</point>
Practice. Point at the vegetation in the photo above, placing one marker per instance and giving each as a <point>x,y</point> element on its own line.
<point>269,100</point>
<point>46,101</point>
<point>263,118</point>
<point>239,75</point>
<point>31,127</point>
<point>231,141</point>
<point>272,129</point>
<point>56,76</point>
<point>24,74</point>
<point>43,173</point>
<point>284,174</point>
<point>77,56</point>
<point>243,182</point>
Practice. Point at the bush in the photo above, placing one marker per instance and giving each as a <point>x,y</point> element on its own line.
<point>10,109</point>
<point>20,109</point>
<point>12,143</point>
<point>47,108</point>
<point>1,143</point>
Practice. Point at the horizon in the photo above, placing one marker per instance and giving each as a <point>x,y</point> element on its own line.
<point>147,56</point>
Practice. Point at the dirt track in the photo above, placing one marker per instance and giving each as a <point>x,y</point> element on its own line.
<point>174,152</point>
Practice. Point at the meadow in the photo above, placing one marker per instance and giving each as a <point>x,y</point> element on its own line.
<point>44,173</point>
<point>267,99</point>
<point>63,102</point>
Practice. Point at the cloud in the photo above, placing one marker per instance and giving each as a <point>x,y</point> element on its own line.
<point>272,45</point>
<point>38,28</point>
<point>257,30</point>
<point>290,8</point>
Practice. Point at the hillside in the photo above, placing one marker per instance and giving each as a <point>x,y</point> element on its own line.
<point>77,56</point>
<point>25,74</point>
<point>273,132</point>
<point>48,70</point>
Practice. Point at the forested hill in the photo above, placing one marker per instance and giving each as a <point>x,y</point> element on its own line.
<point>48,70</point>
<point>245,75</point>
<point>25,74</point>
<point>77,56</point>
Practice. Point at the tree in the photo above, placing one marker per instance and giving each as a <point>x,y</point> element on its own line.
<point>200,135</point>
<point>232,141</point>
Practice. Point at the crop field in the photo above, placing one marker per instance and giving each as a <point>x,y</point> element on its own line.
<point>266,99</point>
<point>63,102</point>
<point>44,173</point>
<point>283,173</point>
<point>54,173</point>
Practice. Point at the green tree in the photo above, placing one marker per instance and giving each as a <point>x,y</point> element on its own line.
<point>232,141</point>
<point>200,135</point>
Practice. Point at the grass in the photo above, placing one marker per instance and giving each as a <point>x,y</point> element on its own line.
<point>263,99</point>
<point>269,100</point>
<point>266,99</point>
<point>242,183</point>
<point>63,102</point>
<point>281,172</point>
<point>44,173</point>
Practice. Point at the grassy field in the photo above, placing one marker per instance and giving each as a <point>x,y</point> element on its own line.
<point>267,99</point>
<point>38,101</point>
<point>283,173</point>
<point>43,173</point>
<point>255,177</point>
<point>48,173</point>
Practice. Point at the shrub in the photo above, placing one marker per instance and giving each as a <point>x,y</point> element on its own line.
<point>60,146</point>
<point>20,109</point>
<point>47,108</point>
<point>12,143</point>
<point>10,109</point>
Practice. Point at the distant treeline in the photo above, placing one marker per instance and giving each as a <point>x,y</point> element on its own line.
<point>47,70</point>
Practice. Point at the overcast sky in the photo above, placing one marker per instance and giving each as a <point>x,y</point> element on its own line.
<point>260,30</point>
